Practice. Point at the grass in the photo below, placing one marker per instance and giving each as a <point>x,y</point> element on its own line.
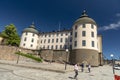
<point>30,56</point>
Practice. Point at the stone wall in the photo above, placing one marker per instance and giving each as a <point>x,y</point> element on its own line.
<point>8,53</point>
<point>60,56</point>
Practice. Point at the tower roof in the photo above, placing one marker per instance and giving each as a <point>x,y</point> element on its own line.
<point>84,18</point>
<point>31,29</point>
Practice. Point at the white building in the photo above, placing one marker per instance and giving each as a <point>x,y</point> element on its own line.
<point>82,39</point>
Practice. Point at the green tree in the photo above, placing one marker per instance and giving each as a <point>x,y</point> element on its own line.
<point>11,35</point>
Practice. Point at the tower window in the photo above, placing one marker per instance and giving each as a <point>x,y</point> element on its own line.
<point>71,39</point>
<point>25,39</point>
<point>92,26</point>
<point>61,34</point>
<point>83,33</point>
<point>75,43</point>
<point>32,40</point>
<point>70,33</point>
<point>83,43</point>
<point>92,34</point>
<point>75,34</point>
<point>93,44</point>
<point>76,27</point>
<point>83,25</point>
<point>26,33</point>
<point>31,45</point>
<point>24,44</point>
<point>33,35</point>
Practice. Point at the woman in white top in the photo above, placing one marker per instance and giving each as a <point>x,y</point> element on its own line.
<point>76,70</point>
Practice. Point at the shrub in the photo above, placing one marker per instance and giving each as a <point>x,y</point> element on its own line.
<point>30,56</point>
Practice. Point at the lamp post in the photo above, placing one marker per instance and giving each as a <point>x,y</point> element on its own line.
<point>18,56</point>
<point>112,62</point>
<point>66,58</point>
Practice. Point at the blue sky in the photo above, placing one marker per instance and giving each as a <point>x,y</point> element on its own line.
<point>47,14</point>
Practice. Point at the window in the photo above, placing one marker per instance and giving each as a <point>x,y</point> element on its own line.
<point>66,34</point>
<point>65,46</point>
<point>61,40</point>
<point>83,43</point>
<point>76,27</point>
<point>66,39</point>
<point>56,46</point>
<point>32,40</point>
<point>61,34</point>
<point>57,40</point>
<point>45,35</point>
<point>75,34</point>
<point>41,41</point>
<point>49,35</point>
<point>60,46</point>
<point>48,47</point>
<point>45,41</point>
<point>75,44</point>
<point>33,34</point>
<point>70,46</point>
<point>52,40</point>
<point>31,45</point>
<point>92,26</point>
<point>26,33</point>
<point>70,33</point>
<point>53,35</point>
<point>57,34</point>
<point>48,40</point>
<point>25,39</point>
<point>24,44</point>
<point>83,26</point>
<point>93,44</point>
<point>71,39</point>
<point>92,34</point>
<point>83,33</point>
<point>52,47</point>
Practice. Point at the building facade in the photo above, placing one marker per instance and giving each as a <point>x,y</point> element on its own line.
<point>82,40</point>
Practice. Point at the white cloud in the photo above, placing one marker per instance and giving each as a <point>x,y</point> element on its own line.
<point>118,14</point>
<point>111,26</point>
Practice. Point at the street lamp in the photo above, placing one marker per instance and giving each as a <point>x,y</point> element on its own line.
<point>66,58</point>
<point>18,55</point>
<point>112,62</point>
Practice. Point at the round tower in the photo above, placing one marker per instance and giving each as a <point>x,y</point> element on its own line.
<point>29,38</point>
<point>84,44</point>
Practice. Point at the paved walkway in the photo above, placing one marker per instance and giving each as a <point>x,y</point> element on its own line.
<point>97,73</point>
<point>56,67</point>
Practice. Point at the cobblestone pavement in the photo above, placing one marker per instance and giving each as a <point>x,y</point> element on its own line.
<point>8,72</point>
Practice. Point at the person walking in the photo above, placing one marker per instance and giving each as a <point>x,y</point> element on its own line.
<point>82,67</point>
<point>76,71</point>
<point>89,68</point>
